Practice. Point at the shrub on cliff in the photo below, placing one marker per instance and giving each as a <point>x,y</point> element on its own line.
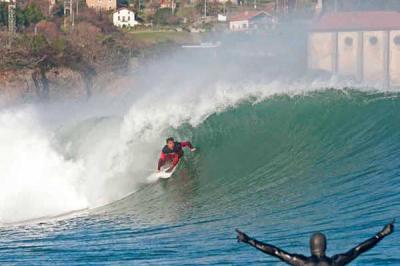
<point>48,29</point>
<point>164,16</point>
<point>59,45</point>
<point>38,43</point>
<point>188,13</point>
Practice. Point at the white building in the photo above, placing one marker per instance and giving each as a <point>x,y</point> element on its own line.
<point>362,45</point>
<point>124,18</point>
<point>222,18</point>
<point>250,20</point>
<point>102,4</point>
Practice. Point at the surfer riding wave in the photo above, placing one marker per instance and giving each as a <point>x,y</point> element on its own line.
<point>173,151</point>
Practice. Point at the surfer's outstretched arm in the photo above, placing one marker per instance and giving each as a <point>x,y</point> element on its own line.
<point>187,144</point>
<point>343,259</point>
<point>292,259</point>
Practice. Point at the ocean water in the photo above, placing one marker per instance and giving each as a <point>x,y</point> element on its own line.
<point>77,187</point>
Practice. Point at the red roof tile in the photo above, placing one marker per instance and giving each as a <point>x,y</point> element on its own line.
<point>364,20</point>
<point>247,15</point>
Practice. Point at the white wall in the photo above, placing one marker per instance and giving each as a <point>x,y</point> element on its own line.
<point>394,68</point>
<point>321,48</point>
<point>222,18</point>
<point>348,53</point>
<point>239,25</point>
<point>373,69</point>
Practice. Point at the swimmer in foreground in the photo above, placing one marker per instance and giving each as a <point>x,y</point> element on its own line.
<point>318,248</point>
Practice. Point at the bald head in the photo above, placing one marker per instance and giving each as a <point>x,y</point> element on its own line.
<point>318,244</point>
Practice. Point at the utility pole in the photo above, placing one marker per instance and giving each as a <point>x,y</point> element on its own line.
<point>11,17</point>
<point>281,6</point>
<point>205,8</point>
<point>69,14</point>
<point>12,23</point>
<point>51,6</point>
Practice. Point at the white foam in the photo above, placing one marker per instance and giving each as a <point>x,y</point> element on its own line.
<point>35,180</point>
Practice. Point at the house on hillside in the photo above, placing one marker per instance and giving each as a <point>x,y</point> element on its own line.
<point>168,4</point>
<point>251,20</point>
<point>102,5</point>
<point>362,45</point>
<point>52,4</point>
<point>124,17</point>
<point>233,2</point>
<point>222,18</point>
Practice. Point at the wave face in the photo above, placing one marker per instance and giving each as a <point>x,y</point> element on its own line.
<point>278,167</point>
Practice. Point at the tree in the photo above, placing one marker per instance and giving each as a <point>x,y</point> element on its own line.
<point>3,14</point>
<point>38,43</point>
<point>33,14</point>
<point>28,16</point>
<point>124,2</point>
<point>164,16</point>
<point>188,14</point>
<point>20,17</point>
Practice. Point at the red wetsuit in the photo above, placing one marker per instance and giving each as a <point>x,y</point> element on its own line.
<point>173,155</point>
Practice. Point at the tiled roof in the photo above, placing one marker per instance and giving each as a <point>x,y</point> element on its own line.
<point>247,15</point>
<point>363,20</point>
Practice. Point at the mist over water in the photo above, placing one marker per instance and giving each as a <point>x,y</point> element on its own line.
<point>281,153</point>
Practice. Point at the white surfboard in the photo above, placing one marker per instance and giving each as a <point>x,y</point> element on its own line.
<point>166,171</point>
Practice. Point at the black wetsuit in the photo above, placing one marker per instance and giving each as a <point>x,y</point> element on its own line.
<point>318,247</point>
<point>295,259</point>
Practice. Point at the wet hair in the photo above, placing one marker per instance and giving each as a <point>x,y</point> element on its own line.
<point>170,139</point>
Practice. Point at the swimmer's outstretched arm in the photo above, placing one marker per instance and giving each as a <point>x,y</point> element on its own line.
<point>292,259</point>
<point>343,259</point>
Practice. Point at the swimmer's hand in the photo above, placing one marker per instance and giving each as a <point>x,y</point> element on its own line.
<point>387,230</point>
<point>242,237</point>
<point>193,149</point>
